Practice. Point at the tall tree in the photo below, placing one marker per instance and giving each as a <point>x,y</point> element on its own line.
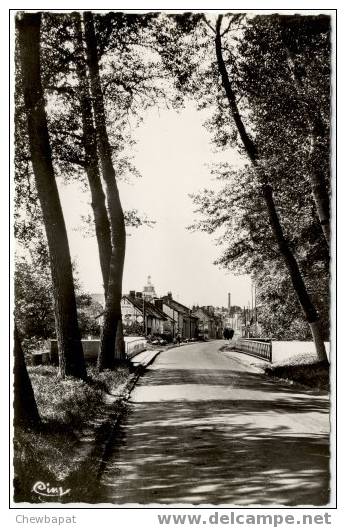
<point>286,252</point>
<point>91,160</point>
<point>25,408</point>
<point>71,127</point>
<point>71,122</point>
<point>71,359</point>
<point>112,322</point>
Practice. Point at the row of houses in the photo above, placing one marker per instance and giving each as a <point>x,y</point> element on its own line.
<point>153,315</point>
<point>146,313</point>
<point>164,316</point>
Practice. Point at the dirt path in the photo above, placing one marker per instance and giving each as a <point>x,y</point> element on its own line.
<point>206,429</point>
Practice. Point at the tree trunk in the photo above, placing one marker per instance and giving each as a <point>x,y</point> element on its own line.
<point>71,359</point>
<point>25,408</point>
<point>119,340</point>
<point>297,279</point>
<point>102,225</point>
<point>316,174</point>
<point>112,318</point>
<point>320,193</point>
<point>310,312</point>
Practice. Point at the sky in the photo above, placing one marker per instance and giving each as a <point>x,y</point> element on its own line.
<point>172,152</point>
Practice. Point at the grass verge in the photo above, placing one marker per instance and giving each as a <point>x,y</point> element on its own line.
<point>76,415</point>
<point>302,371</point>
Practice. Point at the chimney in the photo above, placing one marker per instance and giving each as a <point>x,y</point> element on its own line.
<point>159,304</point>
<point>169,295</point>
<point>132,293</point>
<point>139,295</point>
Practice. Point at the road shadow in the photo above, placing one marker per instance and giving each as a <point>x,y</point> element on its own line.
<point>240,379</point>
<point>218,451</point>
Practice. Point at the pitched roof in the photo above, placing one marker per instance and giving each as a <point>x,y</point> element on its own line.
<point>178,307</point>
<point>150,309</point>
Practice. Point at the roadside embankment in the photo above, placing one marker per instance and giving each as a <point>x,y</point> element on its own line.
<point>301,369</point>
<point>78,419</point>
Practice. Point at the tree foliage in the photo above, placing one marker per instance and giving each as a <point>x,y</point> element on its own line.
<point>34,305</point>
<point>289,147</point>
<point>280,70</point>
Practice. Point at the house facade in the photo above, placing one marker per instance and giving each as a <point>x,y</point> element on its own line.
<point>180,318</point>
<point>139,315</point>
<point>210,325</point>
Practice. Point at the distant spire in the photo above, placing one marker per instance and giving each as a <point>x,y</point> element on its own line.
<point>149,290</point>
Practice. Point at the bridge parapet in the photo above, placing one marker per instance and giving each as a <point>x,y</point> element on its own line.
<point>261,348</point>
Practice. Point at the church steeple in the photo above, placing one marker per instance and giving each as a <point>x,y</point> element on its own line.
<point>149,290</point>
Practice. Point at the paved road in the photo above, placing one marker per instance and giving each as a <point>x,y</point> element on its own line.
<point>207,429</point>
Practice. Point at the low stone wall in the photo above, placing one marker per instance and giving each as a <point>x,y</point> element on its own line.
<point>133,346</point>
<point>90,349</point>
<point>284,350</point>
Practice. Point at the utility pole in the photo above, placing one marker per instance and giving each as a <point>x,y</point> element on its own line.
<point>251,296</point>
<point>249,311</point>
<point>245,322</point>
<point>144,322</point>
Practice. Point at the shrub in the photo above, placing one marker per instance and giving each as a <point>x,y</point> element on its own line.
<point>71,401</point>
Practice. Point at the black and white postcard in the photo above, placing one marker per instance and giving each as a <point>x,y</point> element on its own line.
<point>173,235</point>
